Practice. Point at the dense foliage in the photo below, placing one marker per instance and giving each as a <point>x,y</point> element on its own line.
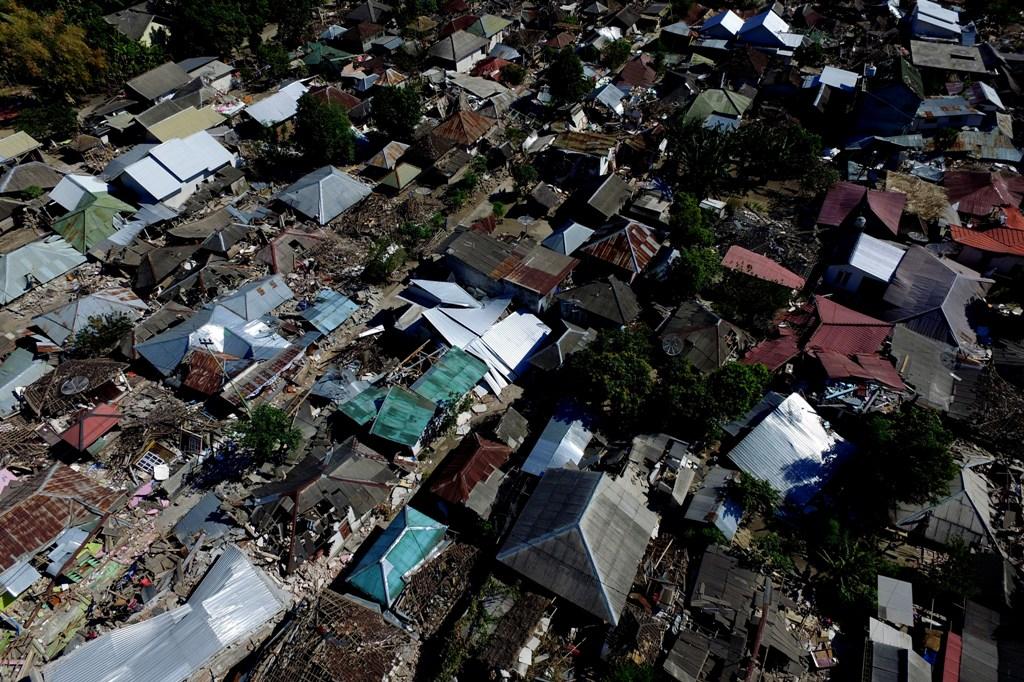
<point>397,111</point>
<point>565,76</point>
<point>103,333</point>
<point>267,432</point>
<point>323,132</point>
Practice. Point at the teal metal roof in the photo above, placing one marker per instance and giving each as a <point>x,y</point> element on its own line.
<point>329,311</point>
<point>403,417</point>
<point>451,377</point>
<point>364,407</point>
<point>410,538</point>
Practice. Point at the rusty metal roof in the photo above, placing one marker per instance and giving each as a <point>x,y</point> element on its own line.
<point>34,512</point>
<point>630,248</point>
<point>464,128</point>
<point>473,461</point>
<point>541,270</point>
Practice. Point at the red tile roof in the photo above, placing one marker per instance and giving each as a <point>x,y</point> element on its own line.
<point>845,331</point>
<point>980,193</point>
<point>90,425</point>
<point>34,512</point>
<point>464,128</point>
<point>845,197</point>
<point>472,462</point>
<point>754,264</point>
<point>1005,240</point>
<point>490,68</point>
<point>632,248</point>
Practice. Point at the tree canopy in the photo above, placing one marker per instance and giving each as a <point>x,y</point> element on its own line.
<point>699,158</point>
<point>616,53</point>
<point>615,374</point>
<point>565,75</point>
<point>323,132</point>
<point>397,111</point>
<point>267,432</point>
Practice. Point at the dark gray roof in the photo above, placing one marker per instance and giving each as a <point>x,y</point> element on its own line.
<point>31,174</point>
<point>457,46</point>
<point>933,370</point>
<point>723,590</point>
<point>979,658</point>
<point>610,196</point>
<point>930,296</point>
<point>611,300</point>
<point>688,658</point>
<point>703,338</point>
<point>325,194</point>
<point>158,82</point>
<point>964,513</point>
<point>481,252</point>
<point>554,355</point>
<point>582,536</point>
<point>369,11</point>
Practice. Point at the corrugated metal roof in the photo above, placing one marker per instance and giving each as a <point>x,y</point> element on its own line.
<point>631,248</point>
<point>582,536</point>
<point>712,504</point>
<point>18,370</point>
<point>464,128</point>
<point>845,331</point>
<point>562,443</point>
<point>89,425</point>
<point>403,417</point>
<point>471,463</point>
<point>451,377</point>
<point>17,144</point>
<point>407,543</point>
<point>895,601</point>
<point>540,270</point>
<point>325,194</point>
<point>278,107</point>
<point>63,322</point>
<point>34,511</point>
<point>185,123</point>
<point>1001,240</point>
<point>70,191</point>
<point>951,658</point>
<point>158,82</point>
<point>568,239</point>
<point>980,193</point>
<point>96,218</point>
<point>876,257</point>
<point>156,180</point>
<point>364,407</point>
<point>979,659</point>
<point>964,513</point>
<point>253,300</point>
<point>387,158</point>
<point>743,260</point>
<point>791,450</point>
<point>34,264</point>
<point>439,293</point>
<point>31,174</point>
<point>233,600</point>
<point>506,345</point>
<point>329,311</point>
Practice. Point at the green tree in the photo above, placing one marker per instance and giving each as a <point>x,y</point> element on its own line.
<point>754,495</point>
<point>45,50</point>
<point>850,576</point>
<point>294,19</point>
<point>776,151</point>
<point>216,27</point>
<point>614,375</point>
<point>628,671</point>
<point>735,388</point>
<point>695,404</point>
<point>384,259</point>
<point>103,333</point>
<point>513,74</point>
<point>616,53</point>
<point>901,457</point>
<point>692,272</point>
<point>397,111</point>
<point>277,60</point>
<point>525,177</point>
<point>957,575</point>
<point>818,178</point>
<point>565,77</point>
<point>699,159</point>
<point>49,119</point>
<point>267,432</point>
<point>748,301</point>
<point>686,224</point>
<point>323,132</point>
<point>771,549</point>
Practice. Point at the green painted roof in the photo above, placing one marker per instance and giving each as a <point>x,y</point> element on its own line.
<point>718,101</point>
<point>318,52</point>
<point>92,221</point>
<point>410,538</point>
<point>364,406</point>
<point>403,417</point>
<point>451,377</point>
<point>911,77</point>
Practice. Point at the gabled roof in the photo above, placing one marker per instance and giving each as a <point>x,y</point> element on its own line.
<point>610,196</point>
<point>754,264</point>
<point>488,25</point>
<point>280,106</point>
<point>387,158</point>
<point>329,310</point>
<point>540,270</point>
<point>325,194</point>
<point>370,10</point>
<point>630,248</point>
<point>702,338</point>
<point>410,539</point>
<point>255,299</point>
<point>403,417</point>
<point>726,23</point>
<point>844,198</point>
<point>718,102</point>
<point>457,46</point>
<point>89,425</point>
<point>791,450</point>
<point>17,144</point>
<point>930,295</point>
<point>31,174</point>
<point>33,264</point>
<point>18,370</point>
<point>95,219</point>
<point>610,299</point>
<point>581,535</point>
<point>36,510</point>
<point>451,377</point>
<point>233,601</point>
<point>464,128</point>
<point>158,82</point>
<point>638,72</point>
<point>964,513</point>
<point>471,463</point>
<point>846,331</point>
<point>1001,240</point>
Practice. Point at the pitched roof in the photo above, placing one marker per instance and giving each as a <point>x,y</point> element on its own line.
<point>370,10</point>
<point>387,158</point>
<point>325,194</point>
<point>930,295</point>
<point>539,270</point>
<point>980,193</point>
<point>701,337</point>
<point>561,444</point>
<point>488,25</point>
<point>717,101</point>
<point>457,46</point>
<point>876,257</point>
<point>610,196</point>
<point>36,510</point>
<point>403,416</point>
<point>581,535</point>
<point>464,128</point>
<point>69,319</point>
<point>611,300</point>
<point>17,144</point>
<point>158,82</point>
<point>31,174</point>
<point>89,425</point>
<point>964,513</point>
<point>743,260</point>
<point>845,331</point>
<point>329,310</point>
<point>638,72</point>
<point>451,377</point>
<point>846,197</point>
<point>406,543</point>
<point>95,219</point>
<point>280,106</point>
<point>33,264</point>
<point>471,463</point>
<point>1002,240</point>
<point>791,450</point>
<point>568,239</point>
<point>630,248</point>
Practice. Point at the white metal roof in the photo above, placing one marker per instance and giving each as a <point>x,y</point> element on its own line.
<point>895,601</point>
<point>562,442</point>
<point>838,78</point>
<point>728,20</point>
<point>446,293</point>
<point>154,178</point>
<point>506,346</point>
<point>876,257</point>
<point>280,106</point>
<point>70,190</point>
<point>179,157</point>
